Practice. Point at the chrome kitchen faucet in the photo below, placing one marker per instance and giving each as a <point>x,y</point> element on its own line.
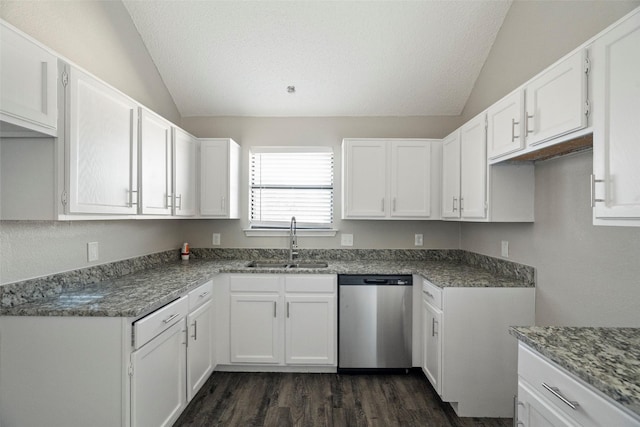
<point>293,239</point>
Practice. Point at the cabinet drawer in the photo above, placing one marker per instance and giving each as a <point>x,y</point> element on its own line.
<point>200,295</point>
<point>432,294</point>
<point>592,409</point>
<point>325,283</point>
<point>155,323</point>
<point>255,283</point>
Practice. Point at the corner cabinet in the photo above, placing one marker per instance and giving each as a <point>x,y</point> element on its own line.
<point>102,146</point>
<point>463,330</point>
<point>219,178</point>
<point>391,178</point>
<point>277,322</point>
<point>472,190</point>
<point>28,78</point>
<point>615,182</point>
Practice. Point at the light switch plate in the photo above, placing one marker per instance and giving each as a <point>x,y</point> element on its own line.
<point>215,239</point>
<point>418,240</point>
<point>346,239</point>
<point>505,249</point>
<point>92,251</point>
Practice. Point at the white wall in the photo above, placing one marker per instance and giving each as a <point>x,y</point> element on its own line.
<point>328,131</point>
<point>586,275</point>
<point>100,37</point>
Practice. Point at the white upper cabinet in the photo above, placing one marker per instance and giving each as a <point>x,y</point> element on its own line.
<point>28,78</point>
<point>391,179</point>
<point>185,149</point>
<point>155,164</point>
<point>219,178</point>
<point>472,190</point>
<point>504,130</point>
<point>616,123</point>
<point>364,178</point>
<point>102,144</point>
<point>451,176</point>
<point>473,167</point>
<point>556,100</point>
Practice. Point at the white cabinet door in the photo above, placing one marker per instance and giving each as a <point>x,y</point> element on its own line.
<point>219,178</point>
<point>432,345</point>
<point>365,179</point>
<point>473,167</point>
<point>255,328</point>
<point>556,100</point>
<point>504,126</point>
<point>534,412</point>
<point>156,164</point>
<point>158,382</point>
<point>410,179</point>
<point>310,329</point>
<point>616,124</point>
<point>451,176</point>
<point>185,148</point>
<point>199,348</point>
<point>102,146</point>
<point>28,76</point>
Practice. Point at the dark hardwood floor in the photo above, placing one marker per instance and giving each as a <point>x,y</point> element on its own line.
<point>286,399</point>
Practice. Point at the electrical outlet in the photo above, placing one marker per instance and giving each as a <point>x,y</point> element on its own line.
<point>505,249</point>
<point>418,240</point>
<point>346,239</point>
<point>92,251</point>
<point>215,239</point>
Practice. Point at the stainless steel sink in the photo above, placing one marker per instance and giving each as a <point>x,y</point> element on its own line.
<point>277,264</point>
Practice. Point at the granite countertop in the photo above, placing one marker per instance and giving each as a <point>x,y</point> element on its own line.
<point>606,358</point>
<point>135,295</point>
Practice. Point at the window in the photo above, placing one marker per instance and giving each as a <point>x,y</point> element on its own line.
<point>291,181</point>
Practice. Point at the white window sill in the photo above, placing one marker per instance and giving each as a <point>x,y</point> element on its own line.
<point>265,232</point>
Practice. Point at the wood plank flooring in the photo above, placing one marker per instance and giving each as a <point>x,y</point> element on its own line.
<point>287,399</point>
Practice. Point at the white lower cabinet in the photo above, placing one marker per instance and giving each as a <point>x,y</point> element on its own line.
<point>464,329</point>
<point>550,396</point>
<point>282,320</point>
<point>105,371</point>
<point>158,380</point>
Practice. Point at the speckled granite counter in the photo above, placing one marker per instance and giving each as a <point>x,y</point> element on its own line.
<point>606,358</point>
<point>140,292</point>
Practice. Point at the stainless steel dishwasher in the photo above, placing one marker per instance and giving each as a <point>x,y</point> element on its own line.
<point>374,322</point>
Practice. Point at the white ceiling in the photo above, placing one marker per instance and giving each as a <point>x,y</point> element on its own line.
<point>345,58</point>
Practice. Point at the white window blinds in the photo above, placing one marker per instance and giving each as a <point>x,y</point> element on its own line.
<point>291,181</point>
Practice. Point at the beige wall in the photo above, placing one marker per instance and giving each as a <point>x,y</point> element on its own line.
<point>250,132</point>
<point>100,37</point>
<point>586,275</point>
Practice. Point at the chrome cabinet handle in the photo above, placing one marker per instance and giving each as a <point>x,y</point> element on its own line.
<point>556,392</point>
<point>526,123</point>
<point>461,204</point>
<point>195,330</point>
<point>179,197</point>
<point>131,198</point>
<point>513,130</point>
<point>169,203</point>
<point>288,309</point>
<point>170,318</point>
<point>204,294</point>
<point>429,294</point>
<point>455,208</point>
<point>593,190</point>
<point>274,309</point>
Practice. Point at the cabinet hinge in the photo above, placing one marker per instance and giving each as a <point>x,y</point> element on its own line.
<point>63,198</point>
<point>65,78</point>
<point>587,65</point>
<point>587,107</point>
<point>130,369</point>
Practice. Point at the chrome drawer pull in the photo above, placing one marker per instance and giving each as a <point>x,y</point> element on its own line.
<point>170,318</point>
<point>204,294</point>
<point>429,294</point>
<point>556,392</point>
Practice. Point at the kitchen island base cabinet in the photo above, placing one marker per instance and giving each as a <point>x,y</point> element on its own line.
<point>469,356</point>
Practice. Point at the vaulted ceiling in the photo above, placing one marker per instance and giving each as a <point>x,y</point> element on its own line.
<point>345,58</point>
